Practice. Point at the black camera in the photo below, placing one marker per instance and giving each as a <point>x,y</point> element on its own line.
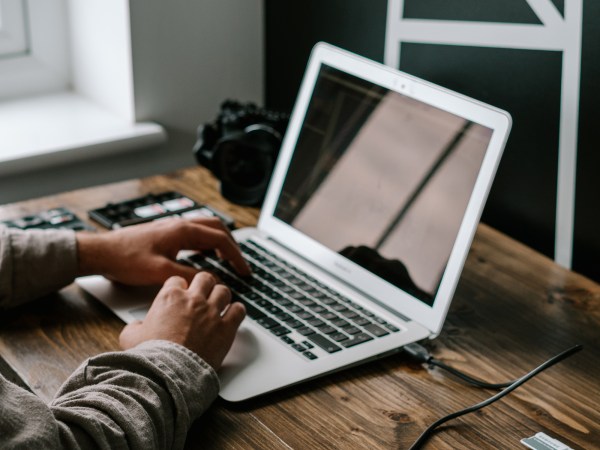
<point>240,148</point>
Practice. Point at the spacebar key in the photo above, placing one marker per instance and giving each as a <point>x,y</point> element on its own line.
<point>324,343</point>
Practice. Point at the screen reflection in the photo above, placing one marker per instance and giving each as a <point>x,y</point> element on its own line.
<point>383,179</point>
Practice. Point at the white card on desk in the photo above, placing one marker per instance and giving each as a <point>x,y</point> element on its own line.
<point>541,441</point>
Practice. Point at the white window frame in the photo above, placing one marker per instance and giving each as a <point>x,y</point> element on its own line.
<point>13,28</point>
<point>70,97</point>
<point>44,67</point>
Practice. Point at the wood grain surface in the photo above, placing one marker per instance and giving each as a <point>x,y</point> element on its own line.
<point>513,309</point>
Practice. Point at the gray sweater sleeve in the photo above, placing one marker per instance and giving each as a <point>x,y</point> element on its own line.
<point>34,263</point>
<point>144,398</point>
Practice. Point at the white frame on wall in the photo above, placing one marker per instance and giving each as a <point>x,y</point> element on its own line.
<point>556,33</point>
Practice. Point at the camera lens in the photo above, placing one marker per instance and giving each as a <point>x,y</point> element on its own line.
<point>243,165</point>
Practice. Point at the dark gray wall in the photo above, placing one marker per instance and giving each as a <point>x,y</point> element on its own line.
<point>525,82</point>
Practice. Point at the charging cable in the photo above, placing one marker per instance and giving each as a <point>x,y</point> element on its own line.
<point>420,353</point>
<point>423,355</point>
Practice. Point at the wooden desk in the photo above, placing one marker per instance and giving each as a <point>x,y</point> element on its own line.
<point>513,309</point>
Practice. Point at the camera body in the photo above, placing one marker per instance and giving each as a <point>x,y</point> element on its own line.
<point>240,148</point>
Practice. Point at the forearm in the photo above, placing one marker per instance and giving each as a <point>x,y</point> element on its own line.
<point>95,254</point>
<point>35,263</point>
<point>144,398</point>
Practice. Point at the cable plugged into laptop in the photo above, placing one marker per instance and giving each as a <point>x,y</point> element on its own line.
<point>421,354</point>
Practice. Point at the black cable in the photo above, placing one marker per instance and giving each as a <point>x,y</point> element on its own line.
<point>420,353</point>
<point>469,379</point>
<point>425,435</point>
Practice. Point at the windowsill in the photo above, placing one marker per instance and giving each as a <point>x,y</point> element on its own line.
<point>63,128</point>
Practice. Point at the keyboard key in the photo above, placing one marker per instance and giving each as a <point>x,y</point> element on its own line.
<point>253,312</point>
<point>293,308</point>
<point>345,300</point>
<point>282,301</point>
<point>298,347</point>
<point>274,295</point>
<point>316,322</point>
<point>310,355</point>
<point>305,315</point>
<point>274,310</point>
<point>324,343</point>
<point>357,339</point>
<point>295,324</point>
<point>270,292</point>
<point>305,331</point>
<point>361,321</point>
<point>307,344</point>
<point>284,317</point>
<point>338,337</point>
<point>287,289</point>
<point>352,330</point>
<point>375,330</point>
<point>327,329</point>
<point>287,339</point>
<point>317,308</point>
<point>200,262</point>
<point>280,331</point>
<point>329,316</point>
<point>349,314</point>
<point>307,302</point>
<point>341,323</point>
<point>391,327</point>
<point>267,322</point>
<point>264,303</point>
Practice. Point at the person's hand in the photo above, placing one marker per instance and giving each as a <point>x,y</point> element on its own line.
<point>199,317</point>
<point>145,254</point>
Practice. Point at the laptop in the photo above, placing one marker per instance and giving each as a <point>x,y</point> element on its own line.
<point>366,224</point>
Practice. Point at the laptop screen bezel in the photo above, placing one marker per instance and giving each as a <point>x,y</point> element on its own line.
<point>351,273</point>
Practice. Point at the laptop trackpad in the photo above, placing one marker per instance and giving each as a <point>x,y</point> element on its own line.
<point>256,364</point>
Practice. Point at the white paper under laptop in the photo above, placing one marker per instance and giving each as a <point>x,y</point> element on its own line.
<point>375,199</point>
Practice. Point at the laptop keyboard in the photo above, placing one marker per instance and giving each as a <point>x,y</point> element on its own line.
<point>295,307</point>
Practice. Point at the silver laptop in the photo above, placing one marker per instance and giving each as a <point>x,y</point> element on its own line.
<point>365,228</point>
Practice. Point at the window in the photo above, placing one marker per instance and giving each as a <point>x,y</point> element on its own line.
<point>33,47</point>
<point>13,28</point>
<point>66,90</point>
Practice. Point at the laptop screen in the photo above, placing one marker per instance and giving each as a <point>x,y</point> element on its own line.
<point>383,179</point>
